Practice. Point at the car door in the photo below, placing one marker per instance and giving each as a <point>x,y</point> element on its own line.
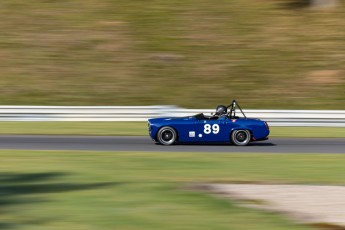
<point>213,131</point>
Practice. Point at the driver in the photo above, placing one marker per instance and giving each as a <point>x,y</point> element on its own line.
<point>221,111</point>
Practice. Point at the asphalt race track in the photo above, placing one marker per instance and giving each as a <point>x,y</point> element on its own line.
<point>122,143</point>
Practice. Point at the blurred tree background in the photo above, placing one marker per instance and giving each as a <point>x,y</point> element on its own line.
<point>191,53</point>
<point>323,3</point>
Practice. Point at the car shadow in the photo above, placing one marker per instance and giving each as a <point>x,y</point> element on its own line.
<point>258,144</point>
<point>261,144</point>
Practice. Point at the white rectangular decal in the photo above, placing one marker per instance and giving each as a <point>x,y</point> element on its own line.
<point>191,134</point>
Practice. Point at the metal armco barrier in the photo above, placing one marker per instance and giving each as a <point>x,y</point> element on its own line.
<point>330,118</point>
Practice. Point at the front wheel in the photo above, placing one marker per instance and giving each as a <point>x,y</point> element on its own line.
<point>166,136</point>
<point>240,137</point>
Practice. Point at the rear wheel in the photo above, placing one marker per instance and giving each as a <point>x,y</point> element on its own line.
<point>240,137</point>
<point>166,135</point>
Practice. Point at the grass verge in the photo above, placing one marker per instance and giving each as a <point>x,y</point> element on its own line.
<point>135,190</point>
<point>140,129</point>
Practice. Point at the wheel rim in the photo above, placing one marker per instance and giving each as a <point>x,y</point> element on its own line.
<point>166,136</point>
<point>241,137</point>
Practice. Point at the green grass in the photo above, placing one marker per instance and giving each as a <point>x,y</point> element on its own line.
<point>136,190</point>
<point>307,132</point>
<point>139,129</point>
<point>191,53</point>
<point>75,128</point>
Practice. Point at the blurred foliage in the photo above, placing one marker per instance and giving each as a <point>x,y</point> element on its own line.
<point>192,53</point>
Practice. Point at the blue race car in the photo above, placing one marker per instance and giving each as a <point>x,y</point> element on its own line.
<point>223,126</point>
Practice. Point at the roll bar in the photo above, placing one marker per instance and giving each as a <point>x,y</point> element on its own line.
<point>232,112</point>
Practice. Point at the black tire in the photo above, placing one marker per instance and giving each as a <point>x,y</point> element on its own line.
<point>241,137</point>
<point>166,135</point>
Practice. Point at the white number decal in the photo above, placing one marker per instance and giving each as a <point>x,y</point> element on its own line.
<point>215,128</point>
<point>208,130</point>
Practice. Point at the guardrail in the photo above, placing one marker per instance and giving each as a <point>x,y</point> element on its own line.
<point>330,118</point>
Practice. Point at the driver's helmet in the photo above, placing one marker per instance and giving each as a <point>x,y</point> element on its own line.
<point>221,110</point>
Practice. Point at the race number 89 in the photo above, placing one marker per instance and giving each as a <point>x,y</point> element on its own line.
<point>208,129</point>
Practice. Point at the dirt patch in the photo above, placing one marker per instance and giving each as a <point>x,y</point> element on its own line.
<point>308,204</point>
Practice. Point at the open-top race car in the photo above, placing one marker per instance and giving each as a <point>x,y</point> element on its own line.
<point>222,126</point>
